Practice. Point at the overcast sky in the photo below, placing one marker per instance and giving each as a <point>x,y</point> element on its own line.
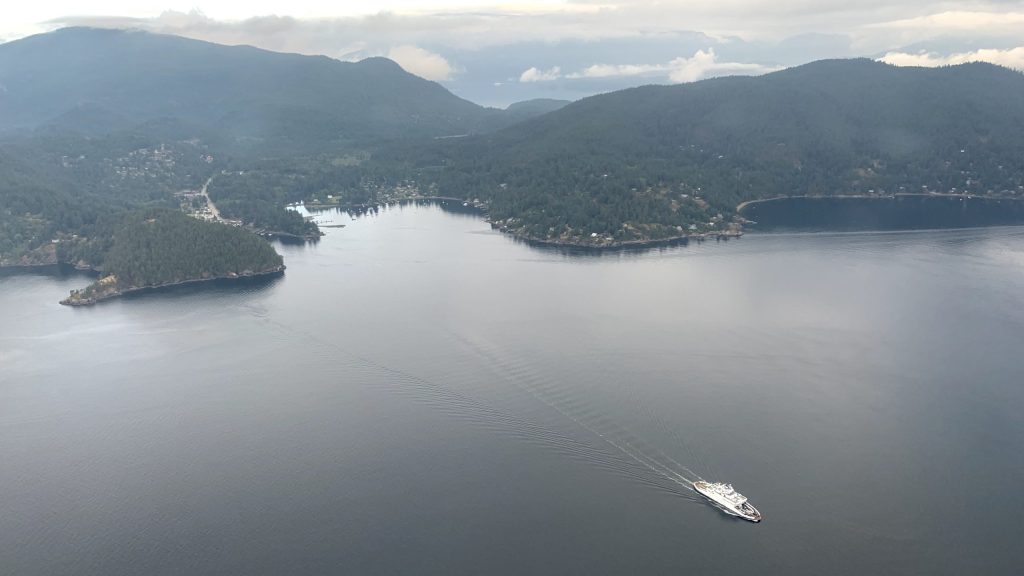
<point>500,52</point>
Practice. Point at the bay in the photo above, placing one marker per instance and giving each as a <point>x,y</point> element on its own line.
<point>421,394</point>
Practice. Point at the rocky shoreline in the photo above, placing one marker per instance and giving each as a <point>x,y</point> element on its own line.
<point>108,289</point>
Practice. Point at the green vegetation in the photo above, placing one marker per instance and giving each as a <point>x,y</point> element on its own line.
<point>530,108</point>
<point>95,123</point>
<point>157,247</point>
<point>55,185</point>
<point>320,180</point>
<point>663,161</point>
<point>256,196</point>
<point>641,163</point>
<point>241,100</point>
<point>122,121</point>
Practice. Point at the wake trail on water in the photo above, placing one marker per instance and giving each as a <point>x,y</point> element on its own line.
<point>460,406</point>
<point>649,457</point>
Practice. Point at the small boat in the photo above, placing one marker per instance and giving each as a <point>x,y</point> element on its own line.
<point>728,499</point>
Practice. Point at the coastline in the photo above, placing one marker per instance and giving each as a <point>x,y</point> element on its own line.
<point>743,205</point>
<point>43,267</point>
<point>621,246</point>
<point>74,301</point>
<point>901,211</point>
<point>99,292</point>
<point>736,230</point>
<point>288,236</point>
<point>481,208</point>
<point>477,204</point>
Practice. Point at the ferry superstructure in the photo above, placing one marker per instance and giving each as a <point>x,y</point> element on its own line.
<point>728,499</point>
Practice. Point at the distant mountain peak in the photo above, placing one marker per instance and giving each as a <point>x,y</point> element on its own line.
<point>380,63</point>
<point>231,94</point>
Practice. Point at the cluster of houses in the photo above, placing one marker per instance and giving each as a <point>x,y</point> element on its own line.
<point>197,205</point>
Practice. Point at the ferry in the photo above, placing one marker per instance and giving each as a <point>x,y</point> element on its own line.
<point>728,499</point>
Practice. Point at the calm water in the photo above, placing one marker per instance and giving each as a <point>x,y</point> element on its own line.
<point>907,212</point>
<point>419,394</point>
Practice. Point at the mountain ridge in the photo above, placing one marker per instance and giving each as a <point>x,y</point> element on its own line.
<point>631,164</point>
<point>237,94</point>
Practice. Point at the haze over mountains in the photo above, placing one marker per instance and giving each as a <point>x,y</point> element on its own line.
<point>616,163</point>
<point>98,120</point>
<point>468,286</point>
<point>97,81</point>
<point>495,53</point>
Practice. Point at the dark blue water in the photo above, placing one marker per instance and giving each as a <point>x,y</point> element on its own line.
<point>420,394</point>
<point>904,212</point>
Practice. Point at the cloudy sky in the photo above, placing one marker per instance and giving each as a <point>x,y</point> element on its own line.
<point>500,52</point>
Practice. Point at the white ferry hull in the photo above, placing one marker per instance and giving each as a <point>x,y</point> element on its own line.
<point>727,500</point>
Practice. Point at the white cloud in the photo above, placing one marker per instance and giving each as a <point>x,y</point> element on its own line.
<point>693,68</point>
<point>960,20</point>
<point>617,70</point>
<point>477,42</point>
<point>703,64</point>
<point>422,63</point>
<point>469,24</point>
<point>535,74</point>
<point>1012,58</point>
<point>993,24</point>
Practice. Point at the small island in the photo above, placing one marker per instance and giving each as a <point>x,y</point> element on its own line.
<point>156,248</point>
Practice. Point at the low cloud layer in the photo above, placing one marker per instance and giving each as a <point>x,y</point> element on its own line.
<point>534,74</point>
<point>618,70</point>
<point>703,64</point>
<point>420,62</point>
<point>1012,58</point>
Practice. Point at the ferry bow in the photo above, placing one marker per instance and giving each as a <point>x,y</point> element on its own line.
<point>728,499</point>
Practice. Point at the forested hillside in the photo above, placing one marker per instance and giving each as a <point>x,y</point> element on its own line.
<point>157,247</point>
<point>96,122</point>
<point>238,97</point>
<point>54,184</point>
<point>530,108</point>
<point>153,247</point>
<point>648,161</point>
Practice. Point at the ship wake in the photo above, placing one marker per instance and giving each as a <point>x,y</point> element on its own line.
<point>617,452</point>
<point>641,454</point>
